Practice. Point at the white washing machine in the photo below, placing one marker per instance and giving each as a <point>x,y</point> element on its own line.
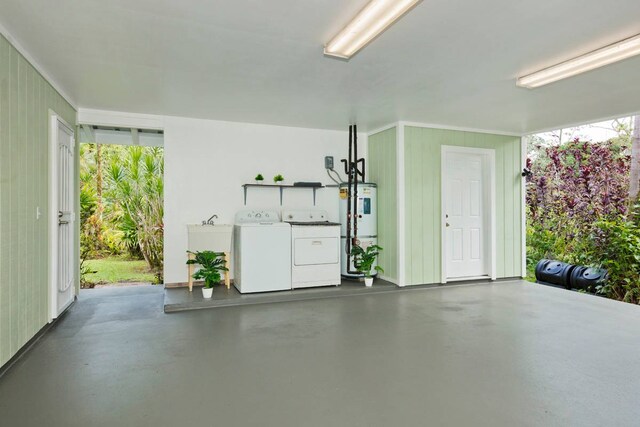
<point>262,252</point>
<point>315,248</point>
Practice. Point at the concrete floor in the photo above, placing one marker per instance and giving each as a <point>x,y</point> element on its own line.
<point>504,354</point>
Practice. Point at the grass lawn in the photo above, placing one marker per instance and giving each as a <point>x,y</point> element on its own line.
<point>118,269</point>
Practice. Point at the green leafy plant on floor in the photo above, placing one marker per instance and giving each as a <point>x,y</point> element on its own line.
<point>616,247</point>
<point>363,259</point>
<point>211,265</point>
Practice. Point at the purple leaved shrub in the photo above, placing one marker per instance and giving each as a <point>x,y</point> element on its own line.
<point>577,205</point>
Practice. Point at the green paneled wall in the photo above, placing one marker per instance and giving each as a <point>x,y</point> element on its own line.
<point>25,100</point>
<point>383,171</point>
<point>422,200</point>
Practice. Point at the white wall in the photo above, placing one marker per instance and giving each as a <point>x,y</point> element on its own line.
<point>206,162</point>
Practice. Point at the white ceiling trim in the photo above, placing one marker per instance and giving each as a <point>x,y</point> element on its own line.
<point>90,116</point>
<point>39,68</point>
<point>461,129</point>
<point>525,135</point>
<point>575,125</point>
<point>443,127</point>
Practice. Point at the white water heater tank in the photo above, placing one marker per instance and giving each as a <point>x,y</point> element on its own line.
<point>367,220</point>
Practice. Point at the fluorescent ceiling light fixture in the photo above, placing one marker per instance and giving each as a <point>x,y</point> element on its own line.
<point>596,59</point>
<point>376,17</point>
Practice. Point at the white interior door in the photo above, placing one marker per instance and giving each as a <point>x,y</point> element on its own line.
<point>63,218</point>
<point>466,215</point>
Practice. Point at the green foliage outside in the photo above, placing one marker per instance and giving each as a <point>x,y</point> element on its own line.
<point>118,269</point>
<point>616,247</point>
<point>578,211</point>
<point>122,208</point>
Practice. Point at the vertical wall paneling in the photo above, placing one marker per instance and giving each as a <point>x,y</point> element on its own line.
<point>382,170</point>
<point>5,198</point>
<point>25,101</point>
<point>423,195</point>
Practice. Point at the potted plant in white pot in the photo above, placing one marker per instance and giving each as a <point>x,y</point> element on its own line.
<point>363,260</point>
<point>278,179</point>
<point>211,264</point>
<point>259,179</point>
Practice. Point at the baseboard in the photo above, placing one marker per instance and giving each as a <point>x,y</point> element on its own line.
<point>479,280</point>
<point>186,284</point>
<point>388,279</point>
<point>467,279</point>
<point>179,285</point>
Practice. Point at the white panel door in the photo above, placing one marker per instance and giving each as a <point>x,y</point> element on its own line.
<point>63,291</point>
<point>465,215</point>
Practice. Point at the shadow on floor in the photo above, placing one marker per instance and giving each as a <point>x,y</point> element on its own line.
<point>180,299</point>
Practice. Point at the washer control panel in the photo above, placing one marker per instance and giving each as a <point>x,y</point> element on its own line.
<point>257,216</point>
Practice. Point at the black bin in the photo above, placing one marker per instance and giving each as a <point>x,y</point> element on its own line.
<point>587,278</point>
<point>554,273</point>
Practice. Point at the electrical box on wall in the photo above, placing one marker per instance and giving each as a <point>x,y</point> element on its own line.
<point>328,162</point>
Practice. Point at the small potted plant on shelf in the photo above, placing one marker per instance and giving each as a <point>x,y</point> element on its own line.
<point>363,260</point>
<point>278,179</point>
<point>259,179</point>
<point>211,264</point>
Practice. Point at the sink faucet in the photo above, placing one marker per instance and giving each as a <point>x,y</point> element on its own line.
<point>210,220</point>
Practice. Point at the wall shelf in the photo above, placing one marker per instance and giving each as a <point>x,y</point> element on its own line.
<point>282,187</point>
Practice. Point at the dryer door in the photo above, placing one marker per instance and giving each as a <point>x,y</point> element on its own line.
<point>315,251</point>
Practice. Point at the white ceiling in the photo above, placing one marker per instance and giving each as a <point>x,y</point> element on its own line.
<point>448,62</point>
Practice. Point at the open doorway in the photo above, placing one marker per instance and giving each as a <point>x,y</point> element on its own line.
<point>121,206</point>
<point>583,205</point>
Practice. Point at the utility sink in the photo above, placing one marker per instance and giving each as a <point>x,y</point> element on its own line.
<point>209,237</point>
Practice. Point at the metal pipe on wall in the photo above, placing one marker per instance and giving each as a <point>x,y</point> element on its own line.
<point>354,168</point>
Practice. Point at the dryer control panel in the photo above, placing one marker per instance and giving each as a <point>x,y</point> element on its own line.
<point>305,215</point>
